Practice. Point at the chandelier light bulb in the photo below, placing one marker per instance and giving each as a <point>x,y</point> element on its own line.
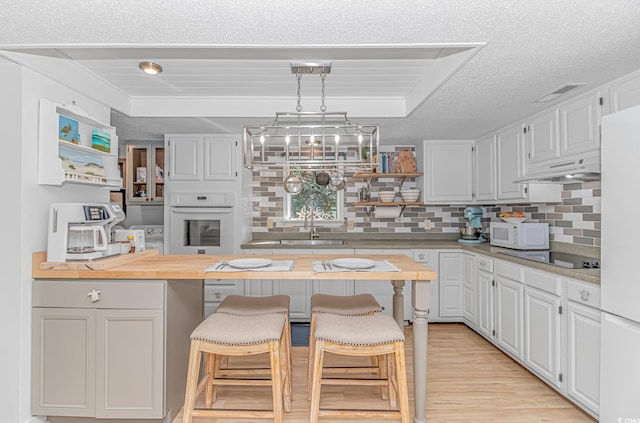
<point>287,139</point>
<point>262,139</point>
<point>312,138</point>
<point>337,138</point>
<point>359,138</point>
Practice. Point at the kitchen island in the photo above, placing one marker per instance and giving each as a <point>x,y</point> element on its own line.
<point>192,267</point>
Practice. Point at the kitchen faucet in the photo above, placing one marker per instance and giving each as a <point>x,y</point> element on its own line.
<point>313,231</point>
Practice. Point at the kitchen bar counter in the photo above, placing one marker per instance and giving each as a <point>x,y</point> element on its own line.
<point>192,267</point>
<point>586,275</point>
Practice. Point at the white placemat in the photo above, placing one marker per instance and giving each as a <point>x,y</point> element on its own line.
<point>320,266</point>
<point>275,266</point>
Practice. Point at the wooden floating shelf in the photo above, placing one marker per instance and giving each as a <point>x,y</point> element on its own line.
<point>381,203</point>
<point>376,175</point>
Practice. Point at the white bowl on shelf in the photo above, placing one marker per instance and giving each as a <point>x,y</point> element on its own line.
<point>410,195</point>
<point>514,219</point>
<point>386,196</point>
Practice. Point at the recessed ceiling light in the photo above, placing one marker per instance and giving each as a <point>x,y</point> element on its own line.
<point>150,68</point>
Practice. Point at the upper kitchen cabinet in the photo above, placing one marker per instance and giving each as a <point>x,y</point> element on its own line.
<point>202,157</point>
<point>510,166</point>
<point>624,93</point>
<point>485,169</point>
<point>541,139</point>
<point>579,124</point>
<point>145,173</point>
<point>75,148</point>
<point>448,172</point>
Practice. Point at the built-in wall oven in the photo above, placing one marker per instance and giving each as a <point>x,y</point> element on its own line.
<point>201,223</point>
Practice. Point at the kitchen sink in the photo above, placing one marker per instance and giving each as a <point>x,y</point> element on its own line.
<point>312,242</point>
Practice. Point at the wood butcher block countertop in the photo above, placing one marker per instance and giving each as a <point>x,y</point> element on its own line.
<point>192,266</point>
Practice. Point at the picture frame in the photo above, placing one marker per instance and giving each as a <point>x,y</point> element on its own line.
<point>119,197</point>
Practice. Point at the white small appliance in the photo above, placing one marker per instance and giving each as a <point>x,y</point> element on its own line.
<point>78,231</point>
<point>122,235</point>
<point>519,236</point>
<point>153,236</point>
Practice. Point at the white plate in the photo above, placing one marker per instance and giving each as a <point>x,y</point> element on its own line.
<point>353,263</point>
<point>514,219</point>
<point>249,263</point>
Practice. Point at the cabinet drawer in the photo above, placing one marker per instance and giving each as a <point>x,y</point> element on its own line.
<point>484,263</point>
<point>510,271</point>
<point>424,256</point>
<point>217,292</point>
<point>108,294</point>
<point>543,281</point>
<point>583,293</point>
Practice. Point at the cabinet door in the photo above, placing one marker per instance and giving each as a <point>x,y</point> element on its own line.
<point>486,172</point>
<point>469,312</point>
<point>185,158</point>
<point>583,371</point>
<point>484,293</point>
<point>129,364</point>
<point>299,291</point>
<point>624,94</point>
<point>509,314</point>
<point>63,367</point>
<point>542,139</point>
<point>220,159</point>
<point>448,172</point>
<point>542,334</point>
<point>510,145</point>
<point>450,281</point>
<point>580,125</point>
<point>145,174</point>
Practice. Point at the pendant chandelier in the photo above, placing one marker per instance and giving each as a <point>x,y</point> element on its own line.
<point>311,141</point>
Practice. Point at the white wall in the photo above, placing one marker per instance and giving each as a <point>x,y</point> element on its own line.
<point>25,220</point>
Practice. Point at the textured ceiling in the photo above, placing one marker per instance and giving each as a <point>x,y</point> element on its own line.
<point>531,47</point>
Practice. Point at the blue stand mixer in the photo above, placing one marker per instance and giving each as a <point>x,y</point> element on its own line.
<point>472,234</point>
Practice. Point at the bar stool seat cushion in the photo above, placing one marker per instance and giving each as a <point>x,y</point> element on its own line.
<point>349,305</point>
<point>245,305</point>
<point>370,330</point>
<point>229,329</point>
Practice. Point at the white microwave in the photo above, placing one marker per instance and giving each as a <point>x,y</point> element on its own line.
<point>520,236</point>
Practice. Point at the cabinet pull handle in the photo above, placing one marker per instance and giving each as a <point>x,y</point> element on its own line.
<point>584,295</point>
<point>218,294</point>
<point>94,296</point>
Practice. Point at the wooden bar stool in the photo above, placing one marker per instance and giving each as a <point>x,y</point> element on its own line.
<point>377,335</point>
<point>348,305</point>
<point>223,334</point>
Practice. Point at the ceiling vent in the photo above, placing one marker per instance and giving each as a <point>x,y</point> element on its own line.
<point>558,92</point>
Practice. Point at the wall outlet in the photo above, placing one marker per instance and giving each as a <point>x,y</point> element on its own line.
<point>427,224</point>
<point>269,223</point>
<point>351,224</point>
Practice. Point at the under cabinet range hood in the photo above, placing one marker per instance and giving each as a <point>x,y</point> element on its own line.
<point>567,169</point>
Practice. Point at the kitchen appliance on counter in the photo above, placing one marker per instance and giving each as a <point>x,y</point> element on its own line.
<point>122,235</point>
<point>153,236</point>
<point>566,260</point>
<point>519,236</point>
<point>620,290</point>
<point>472,233</point>
<point>78,231</point>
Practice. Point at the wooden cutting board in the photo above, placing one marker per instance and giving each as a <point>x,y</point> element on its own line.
<point>99,264</point>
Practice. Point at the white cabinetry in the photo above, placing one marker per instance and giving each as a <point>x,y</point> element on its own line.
<point>111,349</point>
<point>484,292</point>
<point>216,290</point>
<point>541,139</point>
<point>583,345</point>
<point>510,163</point>
<point>470,307</point>
<point>382,290</point>
<point>202,157</point>
<point>448,172</point>
<point>509,308</point>
<point>450,283</point>
<point>624,93</point>
<point>580,125</point>
<point>485,169</point>
<point>75,148</point>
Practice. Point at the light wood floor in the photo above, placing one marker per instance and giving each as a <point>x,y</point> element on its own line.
<point>469,380</point>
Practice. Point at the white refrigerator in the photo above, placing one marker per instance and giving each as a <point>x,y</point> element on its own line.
<point>620,277</point>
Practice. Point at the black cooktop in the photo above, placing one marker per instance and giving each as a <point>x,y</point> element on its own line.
<point>569,261</point>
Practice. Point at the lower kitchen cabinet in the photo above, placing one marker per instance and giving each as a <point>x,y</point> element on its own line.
<point>509,314</point>
<point>542,334</point>
<point>470,306</point>
<point>216,290</point>
<point>101,349</point>
<point>484,292</point>
<point>450,284</point>
<point>583,361</point>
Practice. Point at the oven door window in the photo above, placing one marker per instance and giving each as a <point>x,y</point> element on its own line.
<point>201,233</point>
